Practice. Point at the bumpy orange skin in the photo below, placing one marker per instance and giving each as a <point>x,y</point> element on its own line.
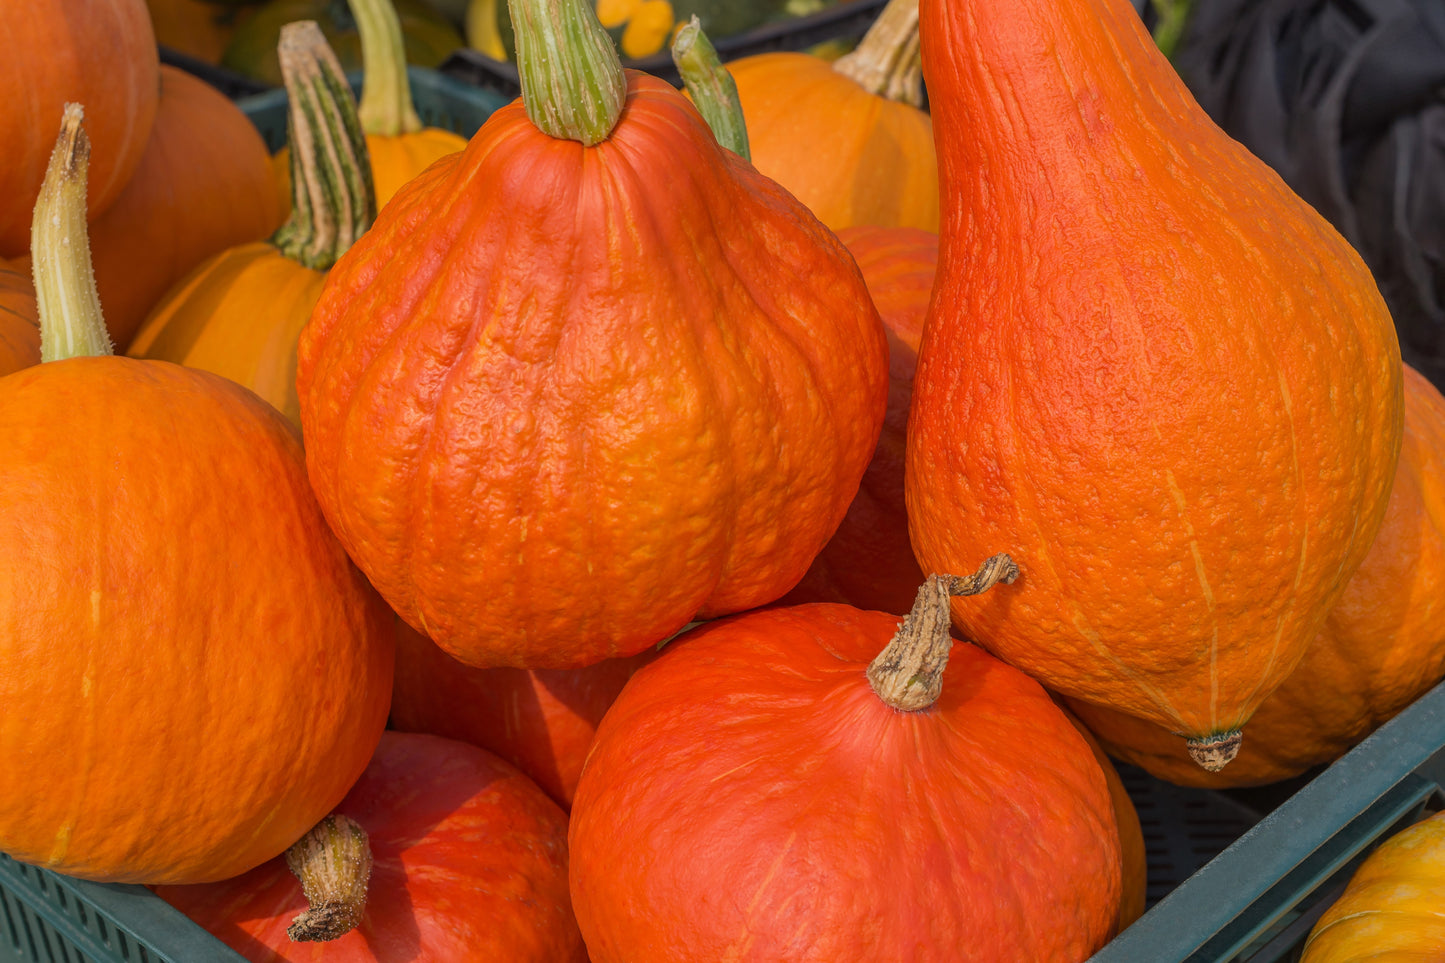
<point>19,320</point>
<point>1390,910</point>
<point>540,720</point>
<point>1382,646</point>
<point>193,671</point>
<point>98,53</point>
<point>561,399</point>
<point>785,813</point>
<point>238,314</point>
<point>1150,373</point>
<point>469,866</point>
<point>869,561</point>
<point>852,156</point>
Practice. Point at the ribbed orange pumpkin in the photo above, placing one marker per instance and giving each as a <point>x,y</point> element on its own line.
<point>100,53</point>
<point>1382,646</point>
<point>202,185</point>
<point>19,320</point>
<point>563,398</point>
<point>192,670</point>
<point>847,138</point>
<point>1150,373</point>
<point>240,311</point>
<point>799,802</point>
<point>469,866</point>
<point>869,561</point>
<point>540,720</point>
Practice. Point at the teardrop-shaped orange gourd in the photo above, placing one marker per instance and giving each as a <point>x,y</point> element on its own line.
<point>566,395</point>
<point>1382,646</point>
<point>1150,372</point>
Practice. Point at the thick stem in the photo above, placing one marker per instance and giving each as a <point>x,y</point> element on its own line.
<point>908,674</point>
<point>886,60</point>
<point>712,88</point>
<point>573,86</point>
<point>386,107</point>
<point>71,325</point>
<point>333,863</point>
<point>333,201</point>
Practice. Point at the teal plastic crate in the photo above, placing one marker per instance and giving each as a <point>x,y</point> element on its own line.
<point>440,101</point>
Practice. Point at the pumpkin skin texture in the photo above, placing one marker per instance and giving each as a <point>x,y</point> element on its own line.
<point>1151,374</point>
<point>783,802</point>
<point>540,720</point>
<point>470,864</point>
<point>100,53</point>
<point>852,156</point>
<point>203,184</point>
<point>1382,646</point>
<point>670,422</point>
<point>176,623</point>
<point>19,320</point>
<point>869,561</point>
<point>1390,909</point>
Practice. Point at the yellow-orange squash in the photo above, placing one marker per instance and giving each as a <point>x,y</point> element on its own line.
<point>1381,647</point>
<point>847,138</point>
<point>19,320</point>
<point>1150,373</point>
<point>240,312</point>
<point>1390,909</point>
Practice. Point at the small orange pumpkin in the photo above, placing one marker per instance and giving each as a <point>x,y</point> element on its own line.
<point>19,320</point>
<point>847,138</point>
<point>1382,646</point>
<point>101,53</point>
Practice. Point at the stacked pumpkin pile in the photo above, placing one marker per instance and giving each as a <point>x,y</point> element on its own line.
<point>1095,389</point>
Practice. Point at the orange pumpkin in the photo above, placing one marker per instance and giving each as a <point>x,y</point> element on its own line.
<point>540,720</point>
<point>197,28</point>
<point>469,865</point>
<point>194,671</point>
<point>1150,372</point>
<point>203,185</point>
<point>100,53</point>
<point>1390,909</point>
<point>239,312</point>
<point>869,561</point>
<point>399,146</point>
<point>813,791</point>
<point>847,137</point>
<point>600,390</point>
<point>19,320</point>
<point>1382,646</point>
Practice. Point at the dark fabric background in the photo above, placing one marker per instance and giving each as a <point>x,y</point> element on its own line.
<point>1346,99</point>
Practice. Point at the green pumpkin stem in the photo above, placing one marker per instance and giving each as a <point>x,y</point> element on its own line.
<point>333,863</point>
<point>713,89</point>
<point>573,86</point>
<point>333,201</point>
<point>1173,15</point>
<point>386,106</point>
<point>908,674</point>
<point>886,60</point>
<point>71,324</point>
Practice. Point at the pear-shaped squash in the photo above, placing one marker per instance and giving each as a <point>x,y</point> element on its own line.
<point>1382,646</point>
<point>1150,372</point>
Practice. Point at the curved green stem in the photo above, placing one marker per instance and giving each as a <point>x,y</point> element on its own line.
<point>712,87</point>
<point>886,60</point>
<point>573,86</point>
<point>386,106</point>
<point>1173,15</point>
<point>333,201</point>
<point>71,324</point>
